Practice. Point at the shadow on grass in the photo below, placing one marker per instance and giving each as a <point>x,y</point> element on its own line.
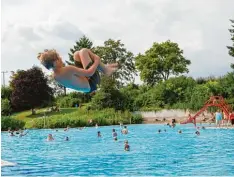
<point>62,111</point>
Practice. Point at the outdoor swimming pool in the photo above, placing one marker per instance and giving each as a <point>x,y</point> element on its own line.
<point>167,153</point>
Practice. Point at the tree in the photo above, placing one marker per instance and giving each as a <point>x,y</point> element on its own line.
<point>114,51</point>
<point>30,89</point>
<point>231,48</point>
<point>161,61</point>
<point>6,92</point>
<point>5,107</point>
<point>108,96</point>
<point>84,42</point>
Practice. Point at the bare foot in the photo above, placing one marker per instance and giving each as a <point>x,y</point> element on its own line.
<point>111,68</point>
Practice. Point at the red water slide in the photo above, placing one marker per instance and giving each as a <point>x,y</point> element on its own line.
<point>216,101</point>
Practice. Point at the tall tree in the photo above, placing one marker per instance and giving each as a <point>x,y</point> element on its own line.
<point>161,61</point>
<point>231,48</point>
<point>84,42</point>
<point>30,89</point>
<point>115,51</point>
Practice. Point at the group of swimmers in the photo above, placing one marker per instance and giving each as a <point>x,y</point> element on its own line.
<point>19,132</point>
<point>115,137</point>
<point>173,124</point>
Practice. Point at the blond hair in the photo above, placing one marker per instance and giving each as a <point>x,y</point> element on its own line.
<point>48,57</point>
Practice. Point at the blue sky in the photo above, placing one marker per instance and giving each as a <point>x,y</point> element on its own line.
<point>199,27</point>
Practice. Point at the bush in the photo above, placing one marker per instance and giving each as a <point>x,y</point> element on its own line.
<point>67,102</point>
<point>6,107</point>
<point>14,124</point>
<point>81,118</point>
<point>137,119</point>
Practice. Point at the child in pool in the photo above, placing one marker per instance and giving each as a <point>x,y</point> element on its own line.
<point>99,134</point>
<point>50,137</point>
<point>114,134</point>
<point>126,146</point>
<point>12,133</point>
<point>124,130</point>
<point>197,133</point>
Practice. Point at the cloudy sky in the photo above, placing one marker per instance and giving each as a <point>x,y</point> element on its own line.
<point>199,27</point>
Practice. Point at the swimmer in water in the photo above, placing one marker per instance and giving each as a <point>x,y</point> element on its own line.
<point>125,130</point>
<point>126,146</point>
<point>12,133</point>
<point>197,133</point>
<point>121,124</point>
<point>159,131</point>
<point>66,139</point>
<point>114,135</point>
<point>66,129</point>
<point>96,125</point>
<point>50,137</point>
<point>9,130</point>
<point>22,133</point>
<point>180,131</point>
<point>99,134</point>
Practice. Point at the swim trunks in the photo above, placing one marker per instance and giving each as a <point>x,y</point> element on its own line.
<point>94,80</point>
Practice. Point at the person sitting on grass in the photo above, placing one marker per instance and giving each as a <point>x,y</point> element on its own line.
<point>84,76</point>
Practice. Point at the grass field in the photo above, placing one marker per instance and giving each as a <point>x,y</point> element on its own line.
<point>40,113</point>
<point>75,117</point>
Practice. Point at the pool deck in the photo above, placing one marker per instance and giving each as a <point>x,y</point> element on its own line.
<point>159,120</point>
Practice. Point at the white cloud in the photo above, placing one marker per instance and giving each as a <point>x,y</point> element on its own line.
<point>200,28</point>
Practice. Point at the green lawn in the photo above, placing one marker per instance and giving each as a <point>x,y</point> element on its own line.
<point>28,117</point>
<point>75,117</point>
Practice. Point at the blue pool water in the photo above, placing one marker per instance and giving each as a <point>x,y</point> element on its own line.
<point>168,153</point>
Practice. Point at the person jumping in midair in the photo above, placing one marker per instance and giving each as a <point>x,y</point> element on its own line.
<point>84,76</point>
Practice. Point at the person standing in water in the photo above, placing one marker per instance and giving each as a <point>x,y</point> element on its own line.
<point>50,137</point>
<point>114,135</point>
<point>126,146</point>
<point>125,130</point>
<point>99,134</point>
